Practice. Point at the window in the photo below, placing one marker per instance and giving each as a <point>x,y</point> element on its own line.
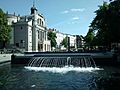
<point>21,41</point>
<point>21,28</point>
<point>12,21</point>
<point>38,35</point>
<point>37,21</point>
<point>17,44</point>
<point>42,23</point>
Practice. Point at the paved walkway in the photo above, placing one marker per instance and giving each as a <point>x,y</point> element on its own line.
<point>6,57</point>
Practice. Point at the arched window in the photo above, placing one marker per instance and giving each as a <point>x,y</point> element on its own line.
<point>42,23</point>
<point>38,21</point>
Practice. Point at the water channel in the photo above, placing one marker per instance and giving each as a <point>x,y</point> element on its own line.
<point>17,77</point>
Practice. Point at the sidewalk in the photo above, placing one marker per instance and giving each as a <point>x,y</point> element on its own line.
<point>5,58</point>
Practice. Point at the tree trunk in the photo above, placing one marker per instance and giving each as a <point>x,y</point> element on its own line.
<point>4,44</point>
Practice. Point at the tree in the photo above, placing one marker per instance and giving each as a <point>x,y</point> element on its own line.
<point>107,23</point>
<point>5,29</point>
<point>99,23</point>
<point>89,37</point>
<point>65,42</point>
<point>52,37</point>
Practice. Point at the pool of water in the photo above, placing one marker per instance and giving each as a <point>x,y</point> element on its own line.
<point>22,78</point>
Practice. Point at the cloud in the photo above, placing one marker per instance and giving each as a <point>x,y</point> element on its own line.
<point>65,12</point>
<point>73,22</point>
<point>77,9</point>
<point>75,18</point>
<point>73,10</point>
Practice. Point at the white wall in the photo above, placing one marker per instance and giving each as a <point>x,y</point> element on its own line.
<point>12,19</point>
<point>60,37</point>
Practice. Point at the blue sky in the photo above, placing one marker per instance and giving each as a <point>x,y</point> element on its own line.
<point>67,16</point>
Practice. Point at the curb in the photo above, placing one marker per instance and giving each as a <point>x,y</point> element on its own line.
<point>5,61</point>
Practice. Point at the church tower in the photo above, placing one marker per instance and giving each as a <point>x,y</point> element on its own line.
<point>34,13</point>
<point>33,9</point>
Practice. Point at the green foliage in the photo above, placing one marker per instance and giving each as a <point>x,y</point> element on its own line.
<point>89,37</point>
<point>107,23</point>
<point>64,42</point>
<point>5,29</point>
<point>52,37</point>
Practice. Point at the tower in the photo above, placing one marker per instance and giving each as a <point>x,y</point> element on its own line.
<point>33,9</point>
<point>34,14</point>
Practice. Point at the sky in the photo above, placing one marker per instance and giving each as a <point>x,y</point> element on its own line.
<point>67,16</point>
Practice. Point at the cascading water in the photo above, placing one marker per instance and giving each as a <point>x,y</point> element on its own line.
<point>62,64</point>
<point>68,59</point>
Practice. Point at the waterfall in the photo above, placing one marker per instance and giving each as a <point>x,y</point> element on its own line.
<point>78,61</point>
<point>68,61</point>
<point>82,63</point>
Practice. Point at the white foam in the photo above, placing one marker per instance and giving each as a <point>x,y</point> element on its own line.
<point>33,85</point>
<point>63,70</point>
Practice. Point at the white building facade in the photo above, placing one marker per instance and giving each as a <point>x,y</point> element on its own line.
<point>72,42</point>
<point>30,32</point>
<point>60,36</point>
<point>59,39</point>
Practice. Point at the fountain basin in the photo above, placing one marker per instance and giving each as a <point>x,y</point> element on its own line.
<point>99,58</point>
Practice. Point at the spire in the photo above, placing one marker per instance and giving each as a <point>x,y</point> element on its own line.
<point>33,3</point>
<point>33,9</point>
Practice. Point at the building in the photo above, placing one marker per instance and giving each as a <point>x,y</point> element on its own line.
<point>29,32</point>
<point>79,42</point>
<point>72,42</point>
<point>12,18</point>
<point>61,36</point>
